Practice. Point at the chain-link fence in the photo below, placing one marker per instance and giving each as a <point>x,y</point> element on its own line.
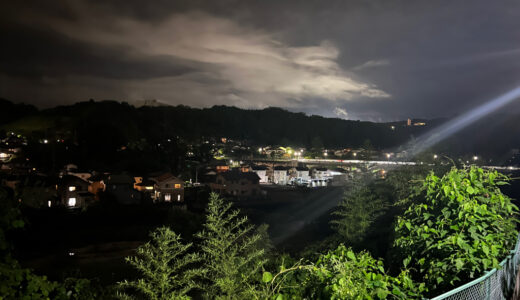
<point>495,284</point>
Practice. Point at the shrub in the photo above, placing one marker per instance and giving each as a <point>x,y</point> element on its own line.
<point>461,226</point>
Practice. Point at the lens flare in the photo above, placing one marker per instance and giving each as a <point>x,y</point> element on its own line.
<point>450,128</point>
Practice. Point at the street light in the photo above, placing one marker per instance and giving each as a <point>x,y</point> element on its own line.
<point>435,156</point>
<point>475,157</point>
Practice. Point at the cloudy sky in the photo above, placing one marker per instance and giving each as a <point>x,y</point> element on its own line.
<point>370,60</point>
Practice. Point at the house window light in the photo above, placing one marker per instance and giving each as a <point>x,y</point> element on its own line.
<point>72,188</point>
<point>168,197</point>
<point>177,185</point>
<point>178,198</point>
<point>72,202</point>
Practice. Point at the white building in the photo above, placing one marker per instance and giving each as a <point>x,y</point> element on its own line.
<point>280,175</point>
<point>261,171</point>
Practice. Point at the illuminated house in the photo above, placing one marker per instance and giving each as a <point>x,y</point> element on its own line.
<point>168,188</point>
<point>97,185</point>
<point>261,171</point>
<point>221,167</point>
<point>303,173</point>
<point>280,175</point>
<point>321,173</point>
<point>235,183</point>
<point>144,185</point>
<point>73,192</point>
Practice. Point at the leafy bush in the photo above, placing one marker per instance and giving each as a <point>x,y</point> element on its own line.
<point>341,274</point>
<point>462,226</point>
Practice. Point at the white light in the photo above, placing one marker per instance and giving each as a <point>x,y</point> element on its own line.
<point>71,253</point>
<point>435,156</point>
<point>231,161</point>
<point>49,203</point>
<point>259,149</point>
<point>387,155</point>
<point>178,197</point>
<point>355,154</point>
<point>72,202</point>
<point>72,188</point>
<point>325,153</point>
<point>167,197</point>
<point>45,141</point>
<point>475,157</point>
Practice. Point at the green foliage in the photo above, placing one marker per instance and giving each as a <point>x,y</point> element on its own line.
<point>86,289</point>
<point>357,211</point>
<point>15,281</point>
<point>20,283</point>
<point>233,256</point>
<point>168,271</point>
<point>340,274</point>
<point>365,216</point>
<point>462,226</point>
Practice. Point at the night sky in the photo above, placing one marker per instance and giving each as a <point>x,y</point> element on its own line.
<point>369,60</point>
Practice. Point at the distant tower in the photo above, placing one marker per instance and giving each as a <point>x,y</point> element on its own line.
<point>409,122</point>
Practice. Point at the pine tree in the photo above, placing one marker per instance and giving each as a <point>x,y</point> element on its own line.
<point>168,271</point>
<point>232,255</point>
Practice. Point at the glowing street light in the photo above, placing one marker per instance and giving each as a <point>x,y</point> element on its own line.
<point>325,154</point>
<point>475,157</point>
<point>355,154</point>
<point>388,155</point>
<point>435,156</point>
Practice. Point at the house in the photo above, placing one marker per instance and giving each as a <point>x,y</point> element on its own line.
<point>261,171</point>
<point>321,173</point>
<point>144,185</point>
<point>280,175</point>
<point>303,173</point>
<point>168,188</point>
<point>221,167</point>
<point>97,185</point>
<point>237,184</point>
<point>73,192</point>
<point>121,187</point>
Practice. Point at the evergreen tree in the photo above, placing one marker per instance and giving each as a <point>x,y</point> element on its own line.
<point>232,255</point>
<point>168,270</point>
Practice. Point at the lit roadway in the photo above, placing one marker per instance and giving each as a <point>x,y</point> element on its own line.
<point>370,162</point>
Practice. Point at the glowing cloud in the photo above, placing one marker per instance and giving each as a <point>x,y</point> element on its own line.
<point>232,64</point>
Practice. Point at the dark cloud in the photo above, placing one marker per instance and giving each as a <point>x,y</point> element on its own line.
<point>373,60</point>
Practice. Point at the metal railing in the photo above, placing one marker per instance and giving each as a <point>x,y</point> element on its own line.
<point>495,284</point>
